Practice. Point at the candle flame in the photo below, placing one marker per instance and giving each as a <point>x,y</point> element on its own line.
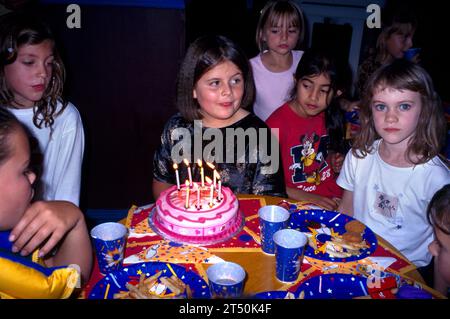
<point>187,183</point>
<point>186,162</point>
<point>208,180</point>
<point>199,162</point>
<point>210,165</point>
<point>175,166</point>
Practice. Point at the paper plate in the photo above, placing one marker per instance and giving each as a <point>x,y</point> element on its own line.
<point>322,221</point>
<point>116,282</point>
<point>334,286</point>
<point>274,294</point>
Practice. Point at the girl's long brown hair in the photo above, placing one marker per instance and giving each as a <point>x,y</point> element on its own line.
<point>429,136</point>
<point>16,30</point>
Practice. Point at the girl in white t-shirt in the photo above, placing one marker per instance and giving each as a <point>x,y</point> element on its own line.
<point>393,169</point>
<point>31,84</point>
<point>280,30</point>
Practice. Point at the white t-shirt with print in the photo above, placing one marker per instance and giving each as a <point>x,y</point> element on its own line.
<point>393,201</point>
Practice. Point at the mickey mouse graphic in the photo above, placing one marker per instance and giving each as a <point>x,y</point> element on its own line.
<point>308,151</point>
<point>307,162</point>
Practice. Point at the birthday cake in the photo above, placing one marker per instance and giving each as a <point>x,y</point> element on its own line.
<point>196,214</point>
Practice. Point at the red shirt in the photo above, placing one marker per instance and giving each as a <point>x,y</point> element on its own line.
<point>304,151</point>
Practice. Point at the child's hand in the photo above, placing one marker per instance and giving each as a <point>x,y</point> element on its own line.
<point>44,223</point>
<point>336,161</point>
<point>322,201</point>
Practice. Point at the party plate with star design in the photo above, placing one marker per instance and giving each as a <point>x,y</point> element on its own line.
<point>325,230</point>
<point>334,286</point>
<point>275,294</point>
<point>116,283</point>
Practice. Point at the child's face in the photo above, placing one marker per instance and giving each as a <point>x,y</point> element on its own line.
<point>440,249</point>
<point>400,41</point>
<point>15,180</point>
<point>313,95</point>
<point>219,93</point>
<point>396,114</point>
<point>29,75</point>
<point>282,37</point>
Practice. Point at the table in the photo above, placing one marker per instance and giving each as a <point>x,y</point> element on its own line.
<point>260,267</point>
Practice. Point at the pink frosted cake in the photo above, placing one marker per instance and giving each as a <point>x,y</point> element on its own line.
<point>197,220</point>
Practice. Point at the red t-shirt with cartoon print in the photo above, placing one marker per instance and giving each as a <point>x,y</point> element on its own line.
<point>303,145</point>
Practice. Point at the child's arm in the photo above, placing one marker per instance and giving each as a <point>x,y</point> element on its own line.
<point>159,187</point>
<point>76,249</point>
<point>53,223</point>
<point>322,201</point>
<point>346,205</point>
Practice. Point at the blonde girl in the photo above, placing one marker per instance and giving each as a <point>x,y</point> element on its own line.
<point>279,33</point>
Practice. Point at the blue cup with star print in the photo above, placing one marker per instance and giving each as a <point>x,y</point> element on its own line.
<point>226,280</point>
<point>289,249</point>
<point>109,243</point>
<point>272,218</point>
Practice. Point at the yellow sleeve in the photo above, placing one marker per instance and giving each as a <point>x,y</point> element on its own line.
<point>18,280</point>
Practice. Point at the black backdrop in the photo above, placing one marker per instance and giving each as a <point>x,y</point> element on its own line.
<point>122,65</point>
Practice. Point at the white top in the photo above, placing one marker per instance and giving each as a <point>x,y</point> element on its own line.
<point>63,152</point>
<point>393,201</point>
<point>272,88</point>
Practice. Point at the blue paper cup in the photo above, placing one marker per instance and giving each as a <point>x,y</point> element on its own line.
<point>109,243</point>
<point>289,249</point>
<point>272,218</point>
<point>411,53</point>
<point>226,280</point>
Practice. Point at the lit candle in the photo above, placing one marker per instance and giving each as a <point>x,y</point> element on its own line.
<point>175,167</point>
<point>189,171</point>
<point>202,175</point>
<point>211,196</point>
<point>187,195</point>
<point>220,190</point>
